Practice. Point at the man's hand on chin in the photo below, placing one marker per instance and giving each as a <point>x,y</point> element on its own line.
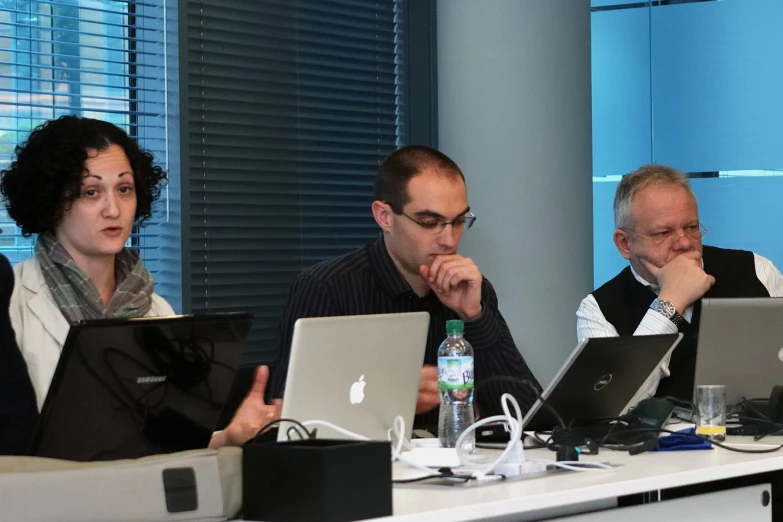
<point>682,280</point>
<point>456,281</point>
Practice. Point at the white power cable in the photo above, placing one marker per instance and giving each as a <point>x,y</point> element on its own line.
<point>515,440</point>
<point>575,465</point>
<point>327,424</point>
<point>398,427</point>
<point>398,430</point>
<point>514,422</point>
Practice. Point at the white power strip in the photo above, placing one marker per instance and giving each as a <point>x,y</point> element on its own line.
<point>433,457</point>
<point>425,443</point>
<point>512,469</point>
<point>426,456</point>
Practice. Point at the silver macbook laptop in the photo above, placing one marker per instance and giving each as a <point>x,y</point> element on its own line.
<point>600,378</point>
<point>741,346</point>
<point>357,372</point>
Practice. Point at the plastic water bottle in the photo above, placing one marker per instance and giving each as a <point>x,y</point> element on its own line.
<point>455,382</point>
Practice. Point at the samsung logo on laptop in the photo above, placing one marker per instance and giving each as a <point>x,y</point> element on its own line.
<point>603,382</point>
<point>152,379</point>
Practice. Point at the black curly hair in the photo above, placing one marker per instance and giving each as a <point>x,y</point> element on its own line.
<point>46,174</point>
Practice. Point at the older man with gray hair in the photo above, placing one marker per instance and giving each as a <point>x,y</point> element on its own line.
<point>659,233</point>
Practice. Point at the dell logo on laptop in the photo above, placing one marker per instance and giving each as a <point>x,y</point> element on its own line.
<point>603,382</point>
<point>152,379</point>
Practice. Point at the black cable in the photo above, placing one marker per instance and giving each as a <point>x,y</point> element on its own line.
<point>677,400</point>
<point>441,476</point>
<point>530,384</point>
<point>608,433</point>
<point>566,451</point>
<point>749,406</point>
<point>636,446</point>
<point>755,399</point>
<point>502,446</point>
<point>705,439</point>
<point>758,436</point>
<point>294,429</point>
<point>537,436</point>
<point>744,405</point>
<point>537,444</point>
<point>761,420</point>
<point>425,477</point>
<point>445,474</point>
<point>613,423</point>
<point>266,427</point>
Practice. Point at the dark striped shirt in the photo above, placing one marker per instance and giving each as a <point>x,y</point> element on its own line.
<point>367,281</point>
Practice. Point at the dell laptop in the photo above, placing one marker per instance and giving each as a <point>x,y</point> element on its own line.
<point>356,372</point>
<point>600,379</point>
<point>127,388</point>
<point>741,346</point>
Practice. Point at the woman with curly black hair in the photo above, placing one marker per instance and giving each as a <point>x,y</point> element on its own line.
<point>80,184</point>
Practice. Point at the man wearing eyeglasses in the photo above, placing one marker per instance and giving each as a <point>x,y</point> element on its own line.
<point>421,206</point>
<point>659,233</point>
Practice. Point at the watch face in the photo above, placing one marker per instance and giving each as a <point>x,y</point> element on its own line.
<point>667,308</point>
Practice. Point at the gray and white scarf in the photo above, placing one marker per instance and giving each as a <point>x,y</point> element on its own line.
<point>78,297</point>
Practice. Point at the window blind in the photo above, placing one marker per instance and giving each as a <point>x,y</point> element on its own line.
<point>93,58</point>
<point>290,107</point>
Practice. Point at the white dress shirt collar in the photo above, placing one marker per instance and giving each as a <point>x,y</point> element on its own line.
<point>655,288</point>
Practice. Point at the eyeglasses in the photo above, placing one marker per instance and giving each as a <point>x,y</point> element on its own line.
<point>436,226</point>
<point>695,232</point>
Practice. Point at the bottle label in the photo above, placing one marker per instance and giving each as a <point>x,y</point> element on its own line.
<point>455,373</point>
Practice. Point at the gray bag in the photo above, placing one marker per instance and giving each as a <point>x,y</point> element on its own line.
<point>198,485</point>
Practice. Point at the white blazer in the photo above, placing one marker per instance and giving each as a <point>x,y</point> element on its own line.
<point>41,328</point>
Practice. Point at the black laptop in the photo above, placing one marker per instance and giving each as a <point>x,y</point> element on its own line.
<point>127,388</point>
<point>600,378</point>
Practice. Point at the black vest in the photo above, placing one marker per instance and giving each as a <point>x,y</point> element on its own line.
<point>624,301</point>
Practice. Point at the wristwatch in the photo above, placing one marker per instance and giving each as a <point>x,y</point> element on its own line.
<point>666,309</point>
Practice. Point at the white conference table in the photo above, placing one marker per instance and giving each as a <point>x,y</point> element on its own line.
<point>563,493</point>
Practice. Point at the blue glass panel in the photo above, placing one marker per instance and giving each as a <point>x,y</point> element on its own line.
<point>743,212</point>
<point>621,90</point>
<point>717,70</point>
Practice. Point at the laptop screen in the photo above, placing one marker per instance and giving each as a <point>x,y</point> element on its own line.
<point>358,372</point>
<point>126,388</point>
<point>741,346</point>
<point>600,378</point>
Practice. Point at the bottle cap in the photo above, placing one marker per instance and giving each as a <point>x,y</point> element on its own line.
<point>455,326</point>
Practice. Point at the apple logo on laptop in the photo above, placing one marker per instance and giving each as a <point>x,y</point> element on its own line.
<point>780,354</point>
<point>357,391</point>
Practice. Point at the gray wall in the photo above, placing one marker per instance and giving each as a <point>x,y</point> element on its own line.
<point>514,107</point>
